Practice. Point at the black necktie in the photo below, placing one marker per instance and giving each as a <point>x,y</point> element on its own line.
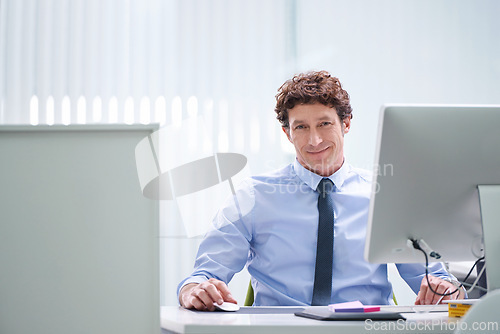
<point>324,252</point>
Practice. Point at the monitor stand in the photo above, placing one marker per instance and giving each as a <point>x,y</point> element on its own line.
<point>489,202</point>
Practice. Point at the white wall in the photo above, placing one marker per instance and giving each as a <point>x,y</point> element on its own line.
<point>412,51</point>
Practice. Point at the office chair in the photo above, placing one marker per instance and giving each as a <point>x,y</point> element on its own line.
<point>250,296</point>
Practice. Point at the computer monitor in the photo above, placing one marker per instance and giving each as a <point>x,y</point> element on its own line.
<point>437,179</point>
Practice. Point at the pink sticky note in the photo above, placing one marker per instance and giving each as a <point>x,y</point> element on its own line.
<point>372,308</point>
<point>355,306</point>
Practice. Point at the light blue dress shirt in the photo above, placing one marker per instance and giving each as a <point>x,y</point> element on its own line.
<point>272,229</point>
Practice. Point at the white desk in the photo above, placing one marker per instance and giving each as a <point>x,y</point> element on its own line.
<point>178,320</point>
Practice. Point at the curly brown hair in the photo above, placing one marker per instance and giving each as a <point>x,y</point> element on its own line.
<point>310,88</point>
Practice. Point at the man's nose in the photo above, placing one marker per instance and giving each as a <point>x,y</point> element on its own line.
<point>314,138</point>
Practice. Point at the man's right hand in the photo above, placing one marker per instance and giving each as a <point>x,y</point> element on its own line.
<point>202,296</point>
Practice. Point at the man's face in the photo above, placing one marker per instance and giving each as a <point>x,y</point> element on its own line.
<point>317,133</point>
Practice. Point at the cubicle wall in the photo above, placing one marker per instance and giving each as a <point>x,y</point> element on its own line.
<point>78,241</point>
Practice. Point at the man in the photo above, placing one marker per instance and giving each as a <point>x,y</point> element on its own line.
<point>276,235</point>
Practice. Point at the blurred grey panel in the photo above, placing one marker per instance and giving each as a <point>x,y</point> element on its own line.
<point>78,240</point>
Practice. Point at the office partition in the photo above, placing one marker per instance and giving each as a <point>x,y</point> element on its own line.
<point>78,241</point>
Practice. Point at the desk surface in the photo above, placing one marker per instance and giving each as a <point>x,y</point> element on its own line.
<point>178,320</point>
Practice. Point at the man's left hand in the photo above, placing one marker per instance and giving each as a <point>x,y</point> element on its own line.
<point>427,297</point>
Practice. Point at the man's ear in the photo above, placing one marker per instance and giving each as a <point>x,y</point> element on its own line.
<point>346,124</point>
<point>286,130</point>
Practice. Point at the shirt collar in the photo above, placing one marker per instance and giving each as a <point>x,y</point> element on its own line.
<point>313,179</point>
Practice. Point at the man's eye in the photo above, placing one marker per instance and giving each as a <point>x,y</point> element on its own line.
<point>325,123</point>
<point>298,127</point>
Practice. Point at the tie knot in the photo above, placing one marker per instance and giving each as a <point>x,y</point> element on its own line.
<point>325,187</point>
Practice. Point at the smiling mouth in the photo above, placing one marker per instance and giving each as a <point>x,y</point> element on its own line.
<point>318,152</point>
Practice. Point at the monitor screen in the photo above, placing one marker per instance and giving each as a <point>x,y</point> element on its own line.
<point>429,163</point>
